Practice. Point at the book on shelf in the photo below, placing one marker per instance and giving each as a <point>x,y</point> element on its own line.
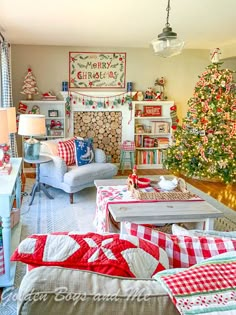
<point>150,157</point>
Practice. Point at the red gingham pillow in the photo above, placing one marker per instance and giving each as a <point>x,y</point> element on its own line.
<point>183,251</point>
<point>66,150</point>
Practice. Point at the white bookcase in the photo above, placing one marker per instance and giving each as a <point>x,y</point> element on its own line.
<point>47,108</point>
<point>53,111</point>
<point>152,132</point>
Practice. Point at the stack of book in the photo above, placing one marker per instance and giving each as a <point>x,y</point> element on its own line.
<point>163,142</point>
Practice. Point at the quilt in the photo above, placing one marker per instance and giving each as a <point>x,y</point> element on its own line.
<point>206,288</point>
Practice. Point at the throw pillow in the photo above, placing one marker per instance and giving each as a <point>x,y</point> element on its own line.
<point>112,254</point>
<point>206,288</point>
<point>183,250</point>
<point>83,151</point>
<point>66,150</point>
<point>100,156</point>
<point>178,230</point>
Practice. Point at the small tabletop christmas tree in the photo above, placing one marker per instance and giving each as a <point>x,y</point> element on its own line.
<point>29,87</point>
<point>205,144</point>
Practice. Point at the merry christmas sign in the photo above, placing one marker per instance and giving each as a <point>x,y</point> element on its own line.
<point>94,70</point>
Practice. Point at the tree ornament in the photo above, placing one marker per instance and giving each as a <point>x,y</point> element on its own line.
<point>29,87</point>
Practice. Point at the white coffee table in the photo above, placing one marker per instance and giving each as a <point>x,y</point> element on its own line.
<point>161,212</point>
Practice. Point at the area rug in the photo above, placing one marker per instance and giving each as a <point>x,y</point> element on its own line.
<point>46,216</point>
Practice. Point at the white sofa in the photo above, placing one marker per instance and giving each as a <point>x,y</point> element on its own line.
<point>72,178</point>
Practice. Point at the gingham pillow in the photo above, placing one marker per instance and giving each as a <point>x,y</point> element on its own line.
<point>66,150</point>
<point>183,250</point>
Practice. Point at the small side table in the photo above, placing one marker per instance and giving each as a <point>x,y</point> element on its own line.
<point>39,186</point>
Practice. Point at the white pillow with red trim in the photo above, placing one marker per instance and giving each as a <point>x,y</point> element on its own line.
<point>112,254</point>
<point>183,250</point>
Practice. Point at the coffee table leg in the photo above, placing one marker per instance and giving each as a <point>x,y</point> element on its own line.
<point>122,228</point>
<point>209,224</point>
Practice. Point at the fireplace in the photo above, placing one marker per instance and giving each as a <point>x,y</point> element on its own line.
<point>104,127</point>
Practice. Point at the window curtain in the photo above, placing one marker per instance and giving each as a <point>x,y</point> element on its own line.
<point>6,86</point>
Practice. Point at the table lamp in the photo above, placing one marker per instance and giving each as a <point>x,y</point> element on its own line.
<point>32,125</point>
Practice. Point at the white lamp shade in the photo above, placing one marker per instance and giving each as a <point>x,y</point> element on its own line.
<point>11,117</point>
<point>3,126</point>
<point>32,125</point>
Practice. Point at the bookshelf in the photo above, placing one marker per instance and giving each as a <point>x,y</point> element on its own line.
<point>152,132</point>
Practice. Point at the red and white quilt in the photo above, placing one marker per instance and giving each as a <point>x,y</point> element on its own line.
<point>112,254</point>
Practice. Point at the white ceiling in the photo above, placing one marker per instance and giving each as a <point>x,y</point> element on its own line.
<point>203,24</point>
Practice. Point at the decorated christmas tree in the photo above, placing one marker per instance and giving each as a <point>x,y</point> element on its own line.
<point>205,145</point>
<point>29,87</point>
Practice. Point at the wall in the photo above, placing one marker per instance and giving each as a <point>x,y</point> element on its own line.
<point>50,65</point>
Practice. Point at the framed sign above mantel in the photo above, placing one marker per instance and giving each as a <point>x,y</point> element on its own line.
<point>97,70</point>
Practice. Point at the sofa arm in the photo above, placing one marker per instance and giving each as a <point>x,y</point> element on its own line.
<point>56,290</point>
<point>56,169</point>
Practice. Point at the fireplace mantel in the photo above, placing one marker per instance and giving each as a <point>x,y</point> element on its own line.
<point>77,106</point>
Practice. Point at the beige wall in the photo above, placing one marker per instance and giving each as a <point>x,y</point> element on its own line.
<point>50,65</point>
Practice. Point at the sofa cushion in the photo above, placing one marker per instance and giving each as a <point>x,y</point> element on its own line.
<point>182,250</point>
<point>113,254</point>
<point>206,288</point>
<point>66,150</point>
<point>88,173</point>
<point>84,153</point>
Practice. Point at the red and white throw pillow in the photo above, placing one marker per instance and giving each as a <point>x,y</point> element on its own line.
<point>183,250</point>
<point>66,150</point>
<point>112,254</point>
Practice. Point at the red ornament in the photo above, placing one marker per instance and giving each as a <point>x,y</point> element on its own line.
<point>174,127</point>
<point>173,107</point>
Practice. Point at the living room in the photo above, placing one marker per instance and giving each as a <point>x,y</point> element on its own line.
<point>42,37</point>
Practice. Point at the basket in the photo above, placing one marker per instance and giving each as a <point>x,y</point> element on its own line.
<point>179,193</point>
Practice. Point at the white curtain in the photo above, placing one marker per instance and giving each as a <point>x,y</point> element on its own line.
<point>6,85</point>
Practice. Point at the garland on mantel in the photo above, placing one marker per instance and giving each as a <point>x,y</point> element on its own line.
<point>97,102</point>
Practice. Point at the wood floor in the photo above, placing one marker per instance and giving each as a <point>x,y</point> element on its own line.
<point>226,194</point>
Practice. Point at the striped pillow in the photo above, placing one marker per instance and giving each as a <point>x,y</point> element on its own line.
<point>66,150</point>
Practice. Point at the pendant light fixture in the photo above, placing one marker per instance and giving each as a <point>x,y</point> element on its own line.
<point>167,44</point>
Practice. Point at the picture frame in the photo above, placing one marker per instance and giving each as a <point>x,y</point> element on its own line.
<point>152,111</point>
<point>53,113</point>
<point>97,70</point>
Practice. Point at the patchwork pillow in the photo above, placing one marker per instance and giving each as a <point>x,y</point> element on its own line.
<point>66,150</point>
<point>112,254</point>
<point>183,250</point>
<point>206,288</point>
<point>83,151</point>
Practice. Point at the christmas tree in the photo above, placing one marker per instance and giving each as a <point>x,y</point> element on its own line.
<point>29,87</point>
<point>205,145</point>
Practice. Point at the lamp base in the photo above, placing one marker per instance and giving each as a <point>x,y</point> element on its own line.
<point>31,150</point>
